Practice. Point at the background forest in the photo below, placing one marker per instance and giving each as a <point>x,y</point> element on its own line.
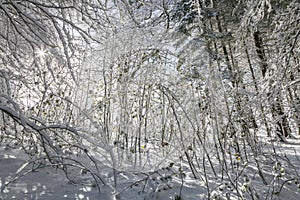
<point>154,99</point>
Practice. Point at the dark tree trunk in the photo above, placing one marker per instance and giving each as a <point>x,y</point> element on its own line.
<point>282,125</point>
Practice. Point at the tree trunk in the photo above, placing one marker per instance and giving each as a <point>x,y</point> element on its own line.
<point>282,126</point>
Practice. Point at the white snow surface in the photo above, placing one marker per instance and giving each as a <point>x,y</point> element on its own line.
<point>48,183</point>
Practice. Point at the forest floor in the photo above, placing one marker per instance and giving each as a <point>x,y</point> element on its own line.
<point>51,184</point>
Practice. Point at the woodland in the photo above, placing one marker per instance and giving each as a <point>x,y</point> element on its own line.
<point>150,99</point>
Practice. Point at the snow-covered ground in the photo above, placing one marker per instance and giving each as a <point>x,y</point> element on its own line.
<point>281,172</point>
<point>46,183</point>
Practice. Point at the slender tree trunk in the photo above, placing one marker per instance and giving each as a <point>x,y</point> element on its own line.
<point>282,126</point>
<point>236,81</point>
<point>263,114</point>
